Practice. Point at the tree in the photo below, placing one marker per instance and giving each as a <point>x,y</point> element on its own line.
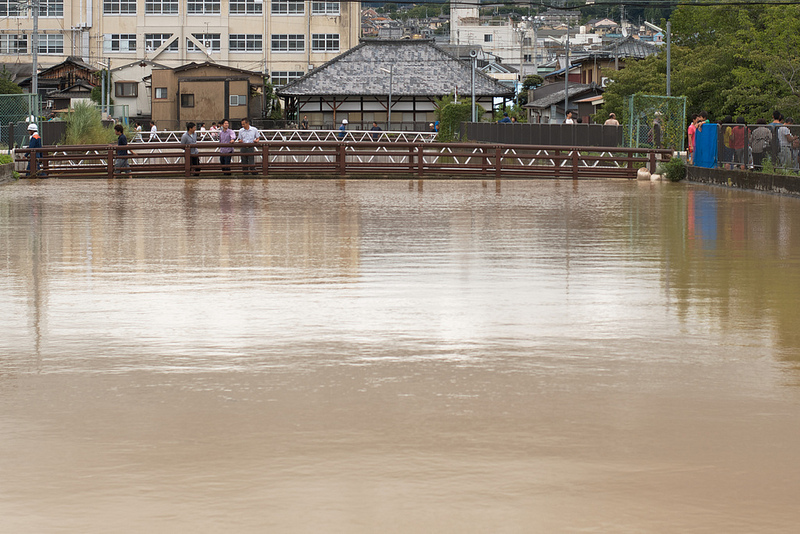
<point>739,61</point>
<point>530,82</point>
<point>8,87</point>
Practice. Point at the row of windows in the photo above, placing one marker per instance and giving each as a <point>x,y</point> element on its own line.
<point>18,44</point>
<point>237,42</point>
<point>124,42</point>
<point>47,8</point>
<point>213,7</point>
<point>55,8</point>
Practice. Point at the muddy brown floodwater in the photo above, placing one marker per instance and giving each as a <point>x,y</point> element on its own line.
<point>398,357</point>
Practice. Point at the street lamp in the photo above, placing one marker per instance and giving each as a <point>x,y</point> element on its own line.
<point>390,72</point>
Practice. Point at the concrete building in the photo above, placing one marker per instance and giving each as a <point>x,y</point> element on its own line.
<point>282,38</point>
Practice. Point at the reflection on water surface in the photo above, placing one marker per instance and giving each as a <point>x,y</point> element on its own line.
<point>394,356</point>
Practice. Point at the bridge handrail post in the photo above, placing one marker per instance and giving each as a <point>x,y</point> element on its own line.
<point>265,159</point>
<point>652,162</point>
<point>498,162</point>
<point>110,163</point>
<point>420,161</point>
<point>342,160</point>
<point>187,161</point>
<point>574,163</point>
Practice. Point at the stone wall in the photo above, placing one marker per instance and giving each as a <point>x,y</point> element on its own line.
<point>757,181</point>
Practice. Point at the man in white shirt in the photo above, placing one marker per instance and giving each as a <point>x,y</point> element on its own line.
<point>785,139</point>
<point>153,132</point>
<point>248,135</point>
<point>569,119</point>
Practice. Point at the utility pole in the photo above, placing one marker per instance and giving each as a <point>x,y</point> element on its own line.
<point>566,76</point>
<point>35,56</point>
<point>669,58</point>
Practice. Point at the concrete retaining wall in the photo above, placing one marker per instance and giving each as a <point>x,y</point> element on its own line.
<point>6,173</point>
<point>757,181</point>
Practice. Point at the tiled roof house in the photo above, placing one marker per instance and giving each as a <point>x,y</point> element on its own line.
<point>356,85</point>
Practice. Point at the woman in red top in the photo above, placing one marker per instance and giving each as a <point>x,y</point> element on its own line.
<point>691,130</point>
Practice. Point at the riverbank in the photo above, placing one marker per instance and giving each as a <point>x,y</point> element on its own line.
<point>756,181</point>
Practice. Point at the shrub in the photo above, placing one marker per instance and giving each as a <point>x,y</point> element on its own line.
<point>84,126</point>
<point>674,169</point>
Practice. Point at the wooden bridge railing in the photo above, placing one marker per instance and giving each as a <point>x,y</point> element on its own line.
<point>343,159</point>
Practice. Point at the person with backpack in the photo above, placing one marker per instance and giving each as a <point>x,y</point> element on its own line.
<point>760,141</point>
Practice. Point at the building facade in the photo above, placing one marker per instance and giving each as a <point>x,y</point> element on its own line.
<point>282,38</point>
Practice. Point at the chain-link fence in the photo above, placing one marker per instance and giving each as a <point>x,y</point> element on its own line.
<point>15,109</point>
<point>655,121</point>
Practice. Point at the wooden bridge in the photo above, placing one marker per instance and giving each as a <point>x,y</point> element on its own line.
<point>287,158</point>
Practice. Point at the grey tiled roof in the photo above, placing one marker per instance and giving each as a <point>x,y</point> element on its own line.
<point>575,89</point>
<point>420,68</point>
<point>630,47</point>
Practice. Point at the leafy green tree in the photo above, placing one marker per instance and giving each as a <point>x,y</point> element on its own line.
<point>530,82</point>
<point>737,61</point>
<point>7,87</point>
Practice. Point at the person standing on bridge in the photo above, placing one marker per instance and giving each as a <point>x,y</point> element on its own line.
<point>611,120</point>
<point>375,131</point>
<point>343,129</point>
<point>189,137</point>
<point>248,135</point>
<point>122,162</point>
<point>226,136</point>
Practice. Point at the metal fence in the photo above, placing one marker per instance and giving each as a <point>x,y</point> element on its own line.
<point>577,135</point>
<point>14,109</point>
<point>751,146</point>
<point>655,121</point>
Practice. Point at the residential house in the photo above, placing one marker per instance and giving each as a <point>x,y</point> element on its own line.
<point>131,88</point>
<point>204,92</point>
<point>546,103</point>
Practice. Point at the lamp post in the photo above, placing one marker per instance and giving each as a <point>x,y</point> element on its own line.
<point>390,72</point>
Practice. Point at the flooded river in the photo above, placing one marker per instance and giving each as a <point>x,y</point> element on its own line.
<point>398,357</point>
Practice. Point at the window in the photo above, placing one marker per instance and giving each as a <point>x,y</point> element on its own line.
<point>282,77</point>
<point>126,89</point>
<point>202,7</point>
<point>187,101</point>
<point>161,93</point>
<point>14,44</point>
<point>288,7</point>
<point>288,43</point>
<point>154,40</point>
<point>119,42</point>
<point>161,7</point>
<point>211,41</point>
<point>10,8</point>
<point>526,41</point>
<point>53,8</point>
<point>325,42</point>
<point>240,42</point>
<point>528,58</point>
<point>119,7</point>
<point>487,38</point>
<point>51,44</point>
<point>245,7</point>
<point>324,8</point>
<point>237,100</point>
